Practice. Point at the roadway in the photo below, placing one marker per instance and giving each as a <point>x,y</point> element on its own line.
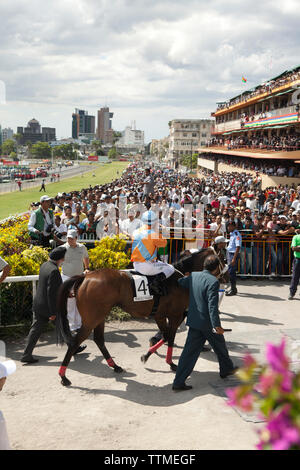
<point>65,172</point>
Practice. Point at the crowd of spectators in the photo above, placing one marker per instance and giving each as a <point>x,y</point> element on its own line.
<point>283,143</point>
<point>279,168</point>
<point>115,208</point>
<point>288,77</point>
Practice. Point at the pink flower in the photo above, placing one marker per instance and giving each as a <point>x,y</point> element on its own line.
<point>266,382</point>
<point>249,360</point>
<point>282,433</point>
<point>244,401</point>
<point>279,363</point>
<point>276,357</point>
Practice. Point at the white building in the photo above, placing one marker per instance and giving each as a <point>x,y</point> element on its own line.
<point>132,137</point>
<point>187,136</point>
<point>7,134</point>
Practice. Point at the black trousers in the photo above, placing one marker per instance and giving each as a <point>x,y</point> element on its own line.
<point>39,323</point>
<point>192,349</point>
<point>295,276</point>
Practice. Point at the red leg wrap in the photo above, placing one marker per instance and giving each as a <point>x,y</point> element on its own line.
<point>110,362</point>
<point>169,355</point>
<point>62,371</point>
<point>156,346</point>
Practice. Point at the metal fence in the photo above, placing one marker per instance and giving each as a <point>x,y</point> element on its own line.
<point>269,257</point>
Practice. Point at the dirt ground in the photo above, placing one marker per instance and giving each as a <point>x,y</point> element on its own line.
<point>137,409</point>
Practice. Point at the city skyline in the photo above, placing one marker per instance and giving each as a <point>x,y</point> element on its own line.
<point>147,62</point>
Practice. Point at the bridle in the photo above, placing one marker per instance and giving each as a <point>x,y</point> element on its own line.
<point>223,268</point>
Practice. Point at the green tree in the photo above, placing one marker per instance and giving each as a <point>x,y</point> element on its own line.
<point>9,146</point>
<point>112,153</point>
<point>41,150</point>
<point>189,161</point>
<point>117,136</point>
<point>14,156</point>
<point>97,146</point>
<point>65,152</point>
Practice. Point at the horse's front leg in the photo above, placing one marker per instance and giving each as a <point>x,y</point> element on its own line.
<point>99,340</point>
<point>162,337</point>
<point>173,326</point>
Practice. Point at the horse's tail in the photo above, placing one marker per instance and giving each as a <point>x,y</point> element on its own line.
<point>63,332</point>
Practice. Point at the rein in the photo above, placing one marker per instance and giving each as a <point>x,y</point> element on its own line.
<point>223,268</point>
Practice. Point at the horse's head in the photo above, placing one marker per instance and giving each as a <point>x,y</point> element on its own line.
<point>192,261</point>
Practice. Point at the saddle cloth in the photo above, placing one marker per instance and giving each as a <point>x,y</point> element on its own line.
<point>142,286</point>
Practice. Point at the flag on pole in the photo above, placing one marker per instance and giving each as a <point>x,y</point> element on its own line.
<point>244,79</point>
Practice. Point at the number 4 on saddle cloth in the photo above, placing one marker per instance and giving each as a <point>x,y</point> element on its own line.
<point>147,287</point>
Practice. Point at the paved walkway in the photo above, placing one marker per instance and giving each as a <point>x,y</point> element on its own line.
<point>137,409</point>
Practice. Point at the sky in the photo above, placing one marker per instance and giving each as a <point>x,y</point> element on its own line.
<point>150,61</point>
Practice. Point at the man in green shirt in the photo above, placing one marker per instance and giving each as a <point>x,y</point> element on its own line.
<point>296,265</point>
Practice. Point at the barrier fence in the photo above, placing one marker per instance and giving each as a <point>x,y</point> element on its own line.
<point>257,257</point>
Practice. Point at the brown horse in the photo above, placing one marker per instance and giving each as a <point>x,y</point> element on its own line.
<point>99,291</point>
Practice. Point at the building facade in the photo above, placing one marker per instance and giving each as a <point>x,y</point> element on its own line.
<point>268,107</point>
<point>260,130</point>
<point>159,148</point>
<point>82,123</point>
<point>187,136</point>
<point>105,132</point>
<point>7,134</point>
<point>35,133</point>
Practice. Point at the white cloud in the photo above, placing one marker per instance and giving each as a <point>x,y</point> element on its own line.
<point>149,61</point>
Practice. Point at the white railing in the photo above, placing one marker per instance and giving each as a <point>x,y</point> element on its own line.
<point>33,278</point>
<point>11,279</point>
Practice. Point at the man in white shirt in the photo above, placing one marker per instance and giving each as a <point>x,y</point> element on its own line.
<point>41,222</point>
<point>128,226</point>
<point>76,262</point>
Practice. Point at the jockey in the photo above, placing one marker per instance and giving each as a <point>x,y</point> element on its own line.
<point>145,243</point>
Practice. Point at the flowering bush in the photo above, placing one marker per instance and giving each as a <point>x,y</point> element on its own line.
<point>109,253</point>
<point>37,254</point>
<point>273,390</point>
<point>14,238</point>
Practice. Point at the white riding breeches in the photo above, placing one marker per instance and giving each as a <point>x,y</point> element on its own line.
<point>149,268</point>
<point>74,317</point>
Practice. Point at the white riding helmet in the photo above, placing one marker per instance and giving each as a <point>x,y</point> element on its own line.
<point>149,218</point>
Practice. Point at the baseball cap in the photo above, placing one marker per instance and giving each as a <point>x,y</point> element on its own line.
<point>45,198</point>
<point>282,216</point>
<point>72,234</point>
<point>7,368</point>
<point>221,239</point>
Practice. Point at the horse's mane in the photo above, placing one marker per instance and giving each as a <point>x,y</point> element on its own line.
<point>186,261</point>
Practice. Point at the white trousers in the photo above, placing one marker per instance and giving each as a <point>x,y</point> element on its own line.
<point>4,442</point>
<point>74,317</point>
<point>151,269</point>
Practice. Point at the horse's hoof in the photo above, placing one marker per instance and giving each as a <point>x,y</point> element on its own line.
<point>118,369</point>
<point>173,367</point>
<point>144,358</point>
<point>65,382</point>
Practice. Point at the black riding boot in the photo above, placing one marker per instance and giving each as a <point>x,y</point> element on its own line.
<point>158,286</point>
